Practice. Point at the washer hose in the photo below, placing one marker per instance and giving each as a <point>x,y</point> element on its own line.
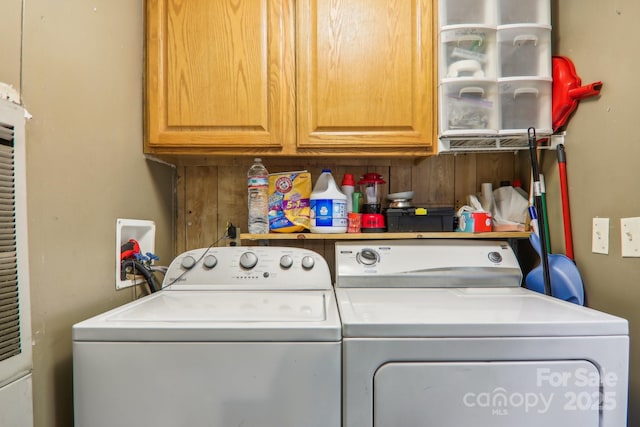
<point>140,268</point>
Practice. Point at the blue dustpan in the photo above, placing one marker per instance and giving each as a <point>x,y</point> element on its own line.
<point>566,283</point>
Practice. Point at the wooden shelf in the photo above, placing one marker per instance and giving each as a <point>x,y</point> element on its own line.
<point>371,236</point>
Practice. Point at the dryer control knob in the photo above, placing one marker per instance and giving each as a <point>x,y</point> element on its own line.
<point>188,262</point>
<point>368,256</point>
<point>308,262</point>
<point>495,257</point>
<point>248,260</point>
<point>210,261</point>
<point>286,261</point>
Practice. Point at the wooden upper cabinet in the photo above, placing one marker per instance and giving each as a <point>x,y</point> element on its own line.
<point>290,77</point>
<point>220,76</point>
<point>366,75</point>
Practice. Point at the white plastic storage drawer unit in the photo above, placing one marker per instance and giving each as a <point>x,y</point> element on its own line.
<point>468,52</point>
<point>494,72</point>
<point>524,50</point>
<point>524,103</point>
<point>468,12</point>
<point>524,12</point>
<point>468,107</point>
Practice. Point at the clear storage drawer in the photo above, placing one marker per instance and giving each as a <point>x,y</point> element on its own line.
<point>524,12</point>
<point>468,52</point>
<point>468,107</point>
<point>525,103</point>
<point>474,12</point>
<point>524,50</point>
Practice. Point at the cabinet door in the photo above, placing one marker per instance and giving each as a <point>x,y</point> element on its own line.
<point>220,76</point>
<point>366,76</point>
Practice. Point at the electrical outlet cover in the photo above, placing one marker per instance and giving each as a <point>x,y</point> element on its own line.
<point>144,232</point>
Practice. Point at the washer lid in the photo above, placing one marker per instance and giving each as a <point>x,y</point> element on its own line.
<point>467,312</point>
<point>218,316</point>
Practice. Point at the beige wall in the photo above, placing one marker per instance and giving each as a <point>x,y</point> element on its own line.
<point>603,155</point>
<point>82,82</point>
<point>10,30</point>
<point>81,78</point>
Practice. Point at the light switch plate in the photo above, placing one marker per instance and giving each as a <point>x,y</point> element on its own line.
<point>630,236</point>
<point>600,236</point>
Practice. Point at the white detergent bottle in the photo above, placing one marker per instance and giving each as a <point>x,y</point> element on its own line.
<point>328,206</point>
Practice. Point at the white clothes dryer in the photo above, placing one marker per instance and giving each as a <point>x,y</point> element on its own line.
<point>239,336</point>
<point>441,333</point>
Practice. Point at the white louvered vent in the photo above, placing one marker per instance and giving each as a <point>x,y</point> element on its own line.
<point>16,361</point>
<point>10,343</point>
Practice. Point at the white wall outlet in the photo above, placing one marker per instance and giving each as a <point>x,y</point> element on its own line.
<point>233,234</point>
<point>630,236</point>
<point>600,236</point>
<point>144,232</point>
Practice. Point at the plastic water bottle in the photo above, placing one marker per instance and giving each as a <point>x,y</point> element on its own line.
<point>328,206</point>
<point>258,200</point>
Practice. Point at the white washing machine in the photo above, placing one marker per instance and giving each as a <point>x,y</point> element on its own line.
<point>440,333</point>
<point>238,336</point>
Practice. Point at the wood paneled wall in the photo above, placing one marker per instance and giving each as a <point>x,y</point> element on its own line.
<point>212,193</point>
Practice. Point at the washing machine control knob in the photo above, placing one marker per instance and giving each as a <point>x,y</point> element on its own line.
<point>368,256</point>
<point>210,261</point>
<point>495,257</point>
<point>248,260</point>
<point>286,261</point>
<point>188,262</point>
<point>308,262</point>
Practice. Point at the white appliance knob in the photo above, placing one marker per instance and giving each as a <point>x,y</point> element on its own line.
<point>368,256</point>
<point>210,261</point>
<point>286,261</point>
<point>188,262</point>
<point>248,260</point>
<point>308,262</point>
<point>495,257</point>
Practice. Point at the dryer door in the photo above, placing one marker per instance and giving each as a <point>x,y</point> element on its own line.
<point>498,394</point>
